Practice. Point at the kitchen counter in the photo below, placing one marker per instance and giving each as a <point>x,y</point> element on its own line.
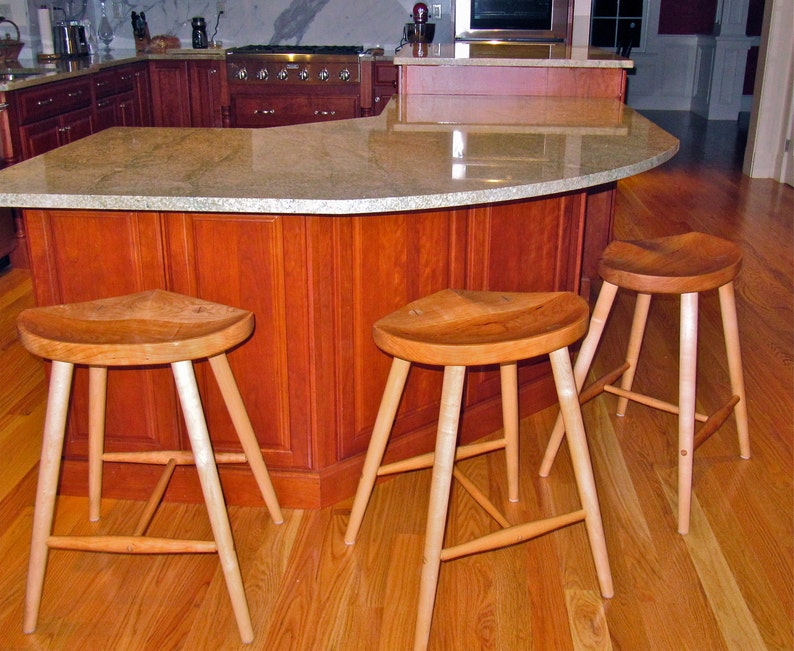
<point>321,229</point>
<point>28,73</point>
<point>423,152</point>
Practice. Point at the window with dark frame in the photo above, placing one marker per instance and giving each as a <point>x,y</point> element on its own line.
<point>616,24</point>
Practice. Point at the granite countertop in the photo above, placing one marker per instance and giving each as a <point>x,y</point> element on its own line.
<point>422,152</point>
<point>527,55</point>
<point>60,69</point>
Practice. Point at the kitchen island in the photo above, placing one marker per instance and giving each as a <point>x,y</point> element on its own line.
<point>320,229</point>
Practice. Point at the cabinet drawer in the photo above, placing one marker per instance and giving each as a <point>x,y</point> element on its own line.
<point>53,99</point>
<point>113,81</point>
<point>275,110</point>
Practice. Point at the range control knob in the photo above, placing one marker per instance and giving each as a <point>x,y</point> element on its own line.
<point>282,74</point>
<point>241,74</point>
<point>323,74</point>
<point>303,75</point>
<point>262,75</point>
<point>344,75</point>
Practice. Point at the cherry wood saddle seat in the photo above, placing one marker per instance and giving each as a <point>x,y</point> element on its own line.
<point>456,329</point>
<point>681,264</point>
<point>153,327</point>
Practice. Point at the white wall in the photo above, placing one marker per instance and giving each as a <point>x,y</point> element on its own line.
<point>772,118</point>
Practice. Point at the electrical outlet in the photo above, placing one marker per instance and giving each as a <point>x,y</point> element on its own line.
<point>436,12</point>
<point>220,6</point>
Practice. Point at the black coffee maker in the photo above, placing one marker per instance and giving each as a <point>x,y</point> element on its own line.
<point>419,31</point>
<point>200,40</point>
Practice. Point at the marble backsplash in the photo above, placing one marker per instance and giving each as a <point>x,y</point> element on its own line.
<point>370,23</point>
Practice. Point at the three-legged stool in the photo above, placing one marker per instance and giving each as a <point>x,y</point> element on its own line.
<point>155,327</point>
<point>456,329</point>
<point>681,264</point>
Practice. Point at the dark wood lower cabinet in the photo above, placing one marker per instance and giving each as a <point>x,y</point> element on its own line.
<point>311,376</point>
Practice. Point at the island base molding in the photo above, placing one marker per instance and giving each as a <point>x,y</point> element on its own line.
<point>311,376</point>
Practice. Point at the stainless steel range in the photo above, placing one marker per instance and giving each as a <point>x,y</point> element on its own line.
<point>295,64</point>
<point>275,85</point>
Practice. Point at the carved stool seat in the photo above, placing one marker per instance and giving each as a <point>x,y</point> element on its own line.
<point>686,265</point>
<point>456,329</point>
<point>155,327</point>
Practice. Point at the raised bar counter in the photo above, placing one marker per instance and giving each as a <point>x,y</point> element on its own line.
<point>321,229</point>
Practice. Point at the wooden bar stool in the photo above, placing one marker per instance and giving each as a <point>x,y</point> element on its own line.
<point>155,327</point>
<point>456,329</point>
<point>682,264</point>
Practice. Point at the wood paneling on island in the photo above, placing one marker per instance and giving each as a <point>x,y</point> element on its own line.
<point>310,376</point>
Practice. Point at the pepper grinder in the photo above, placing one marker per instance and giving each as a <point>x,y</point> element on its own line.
<point>199,33</point>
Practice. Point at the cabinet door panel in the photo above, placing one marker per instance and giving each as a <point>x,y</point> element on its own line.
<point>170,94</point>
<point>249,262</point>
<point>39,137</point>
<point>206,93</point>
<point>78,268</point>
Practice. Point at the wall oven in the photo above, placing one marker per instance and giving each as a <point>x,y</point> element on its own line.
<point>532,21</point>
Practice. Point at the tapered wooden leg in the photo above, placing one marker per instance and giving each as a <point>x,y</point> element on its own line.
<point>730,326</point>
<point>97,402</point>
<point>635,344</point>
<point>584,360</point>
<point>377,444</point>
<point>446,441</point>
<point>686,405</point>
<point>49,469</point>
<point>509,383</point>
<point>583,470</point>
<point>245,432</point>
<point>213,496</point>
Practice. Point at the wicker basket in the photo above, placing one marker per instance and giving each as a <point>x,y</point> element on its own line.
<point>10,48</point>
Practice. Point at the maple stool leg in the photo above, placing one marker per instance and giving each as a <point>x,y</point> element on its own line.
<point>211,487</point>
<point>377,444</point>
<point>587,351</point>
<point>444,460</point>
<point>686,405</point>
<point>730,326</point>
<point>49,469</point>
<point>635,344</point>
<point>97,403</point>
<point>509,383</point>
<point>583,470</point>
<point>245,432</point>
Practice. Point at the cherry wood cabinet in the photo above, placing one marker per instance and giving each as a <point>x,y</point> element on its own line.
<point>254,108</point>
<point>384,84</point>
<point>311,376</point>
<point>188,93</point>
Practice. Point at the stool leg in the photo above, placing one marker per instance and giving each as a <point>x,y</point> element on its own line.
<point>583,470</point>
<point>509,384</point>
<point>245,432</point>
<point>584,360</point>
<point>446,442</point>
<point>49,469</point>
<point>635,344</point>
<point>377,444</point>
<point>686,405</point>
<point>730,326</point>
<point>213,496</point>
<point>97,402</point>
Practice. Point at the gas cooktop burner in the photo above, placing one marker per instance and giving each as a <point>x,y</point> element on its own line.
<point>324,50</point>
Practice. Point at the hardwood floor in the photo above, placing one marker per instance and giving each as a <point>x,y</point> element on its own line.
<point>726,585</point>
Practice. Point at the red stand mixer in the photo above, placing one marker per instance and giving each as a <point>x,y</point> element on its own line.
<point>419,31</point>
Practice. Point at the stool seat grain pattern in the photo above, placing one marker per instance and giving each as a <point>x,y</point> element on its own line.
<point>148,328</point>
<point>459,328</point>
<point>153,327</point>
<point>679,264</point>
<point>467,327</point>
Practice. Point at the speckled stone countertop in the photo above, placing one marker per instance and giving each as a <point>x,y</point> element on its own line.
<point>422,152</point>
<point>527,55</point>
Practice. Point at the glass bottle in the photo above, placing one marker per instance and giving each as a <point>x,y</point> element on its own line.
<point>105,29</point>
